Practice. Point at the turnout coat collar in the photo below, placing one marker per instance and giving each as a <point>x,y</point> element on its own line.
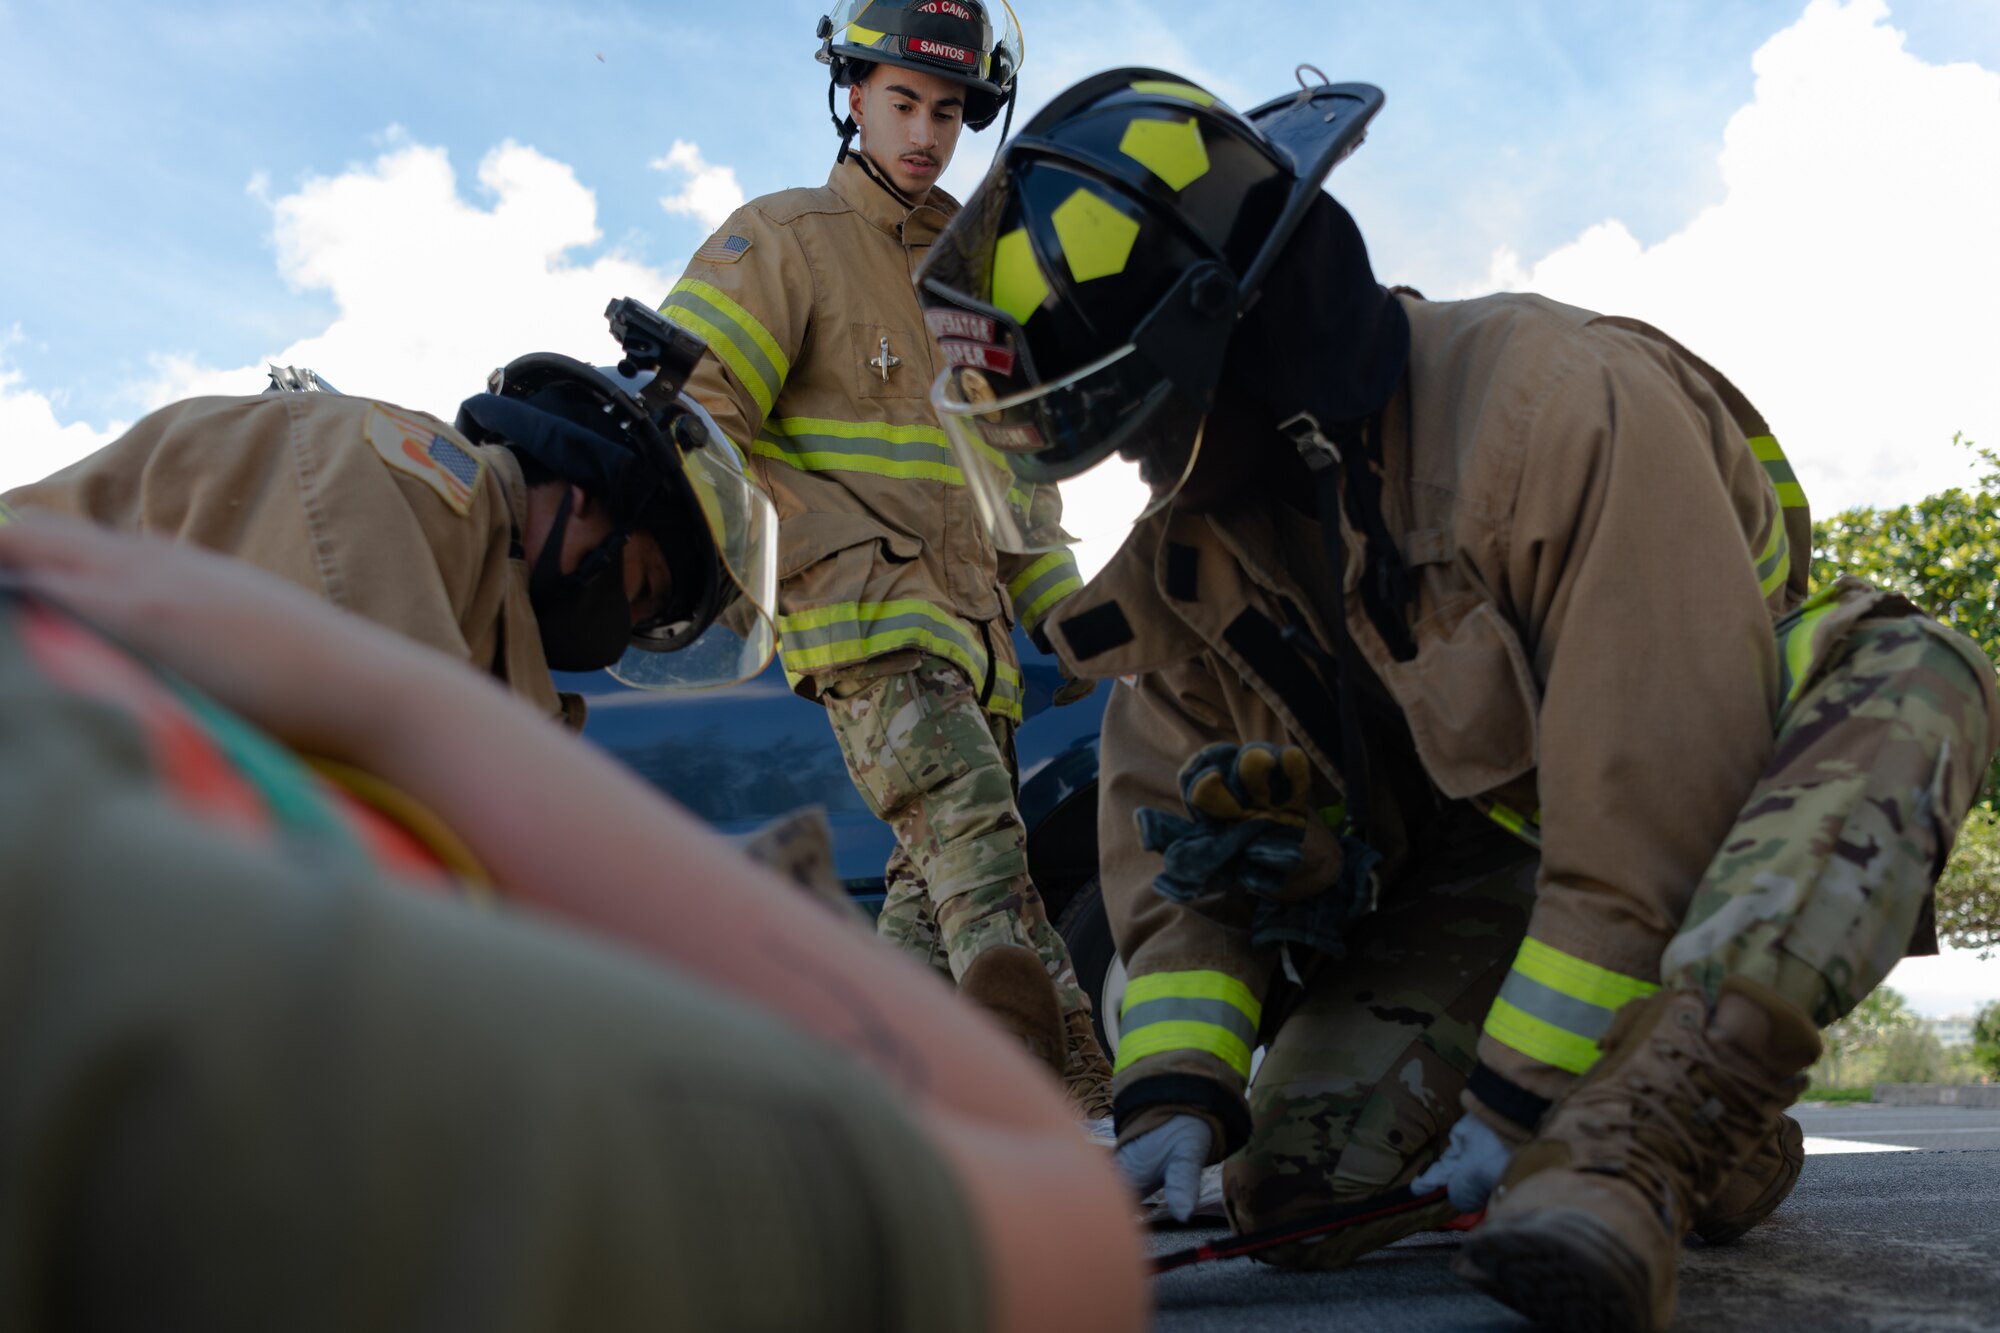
<point>884,209</point>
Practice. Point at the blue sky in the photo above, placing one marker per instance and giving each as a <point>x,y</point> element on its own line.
<point>404,195</point>
<point>130,134</point>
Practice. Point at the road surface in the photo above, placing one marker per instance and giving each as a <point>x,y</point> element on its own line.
<point>1894,1228</point>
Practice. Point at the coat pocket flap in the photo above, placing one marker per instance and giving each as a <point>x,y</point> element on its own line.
<point>1471,704</point>
<point>806,539</point>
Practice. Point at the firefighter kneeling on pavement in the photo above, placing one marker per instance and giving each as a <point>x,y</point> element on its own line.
<point>1482,751</point>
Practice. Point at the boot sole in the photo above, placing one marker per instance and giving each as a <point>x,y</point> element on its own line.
<point>1736,1228</point>
<point>1009,983</point>
<point>1559,1269</point>
<point>1724,1231</point>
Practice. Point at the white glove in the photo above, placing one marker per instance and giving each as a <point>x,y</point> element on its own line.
<point>1472,1162</point>
<point>1169,1157</point>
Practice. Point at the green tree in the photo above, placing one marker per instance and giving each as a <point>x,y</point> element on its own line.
<point>1911,1055</point>
<point>1986,1039</point>
<point>1943,553</point>
<point>1855,1044</point>
<point>1968,897</point>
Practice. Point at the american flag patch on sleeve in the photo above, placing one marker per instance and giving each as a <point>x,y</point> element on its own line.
<point>723,249</point>
<point>414,445</point>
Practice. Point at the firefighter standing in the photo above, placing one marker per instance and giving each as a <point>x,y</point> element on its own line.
<point>895,612</point>
<point>1483,746</point>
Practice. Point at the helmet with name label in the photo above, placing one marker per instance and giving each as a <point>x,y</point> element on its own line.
<point>953,39</point>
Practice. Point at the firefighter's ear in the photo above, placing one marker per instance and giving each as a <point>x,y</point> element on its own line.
<point>591,511</point>
<point>854,100</point>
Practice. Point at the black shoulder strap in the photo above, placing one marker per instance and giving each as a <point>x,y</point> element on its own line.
<point>1265,649</point>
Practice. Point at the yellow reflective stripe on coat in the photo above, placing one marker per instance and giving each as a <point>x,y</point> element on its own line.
<point>818,444</point>
<point>1554,1006</point>
<point>1036,590</point>
<point>1775,564</point>
<point>1206,1011</point>
<point>1528,828</point>
<point>1790,494</point>
<point>844,632</point>
<point>1795,644</point>
<point>821,444</point>
<point>733,334</point>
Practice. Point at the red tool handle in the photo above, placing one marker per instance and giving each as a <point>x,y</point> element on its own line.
<point>1371,1209</point>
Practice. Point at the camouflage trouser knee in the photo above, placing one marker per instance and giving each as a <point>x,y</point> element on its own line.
<point>939,769</point>
<point>1361,1083</point>
<point>907,920</point>
<point>1816,890</point>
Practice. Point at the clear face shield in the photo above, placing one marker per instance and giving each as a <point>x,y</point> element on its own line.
<point>1082,459</point>
<point>1062,446</point>
<point>743,526</point>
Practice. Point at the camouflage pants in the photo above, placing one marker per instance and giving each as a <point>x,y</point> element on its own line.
<point>939,769</point>
<point>1814,892</point>
<point>1817,889</point>
<point>1360,1083</point>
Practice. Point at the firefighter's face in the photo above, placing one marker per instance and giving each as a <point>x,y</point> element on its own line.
<point>647,574</point>
<point>910,123</point>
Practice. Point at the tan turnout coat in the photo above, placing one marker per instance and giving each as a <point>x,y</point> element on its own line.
<point>386,512</point>
<point>1593,520</point>
<point>821,373</point>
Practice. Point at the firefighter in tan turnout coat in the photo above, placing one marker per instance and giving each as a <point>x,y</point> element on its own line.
<point>1482,750</point>
<point>555,526</point>
<point>895,611</point>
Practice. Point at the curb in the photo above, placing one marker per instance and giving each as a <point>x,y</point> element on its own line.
<point>1986,1095</point>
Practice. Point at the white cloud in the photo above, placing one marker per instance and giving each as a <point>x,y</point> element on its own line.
<point>1847,281</point>
<point>33,441</point>
<point>432,291</point>
<point>711,193</point>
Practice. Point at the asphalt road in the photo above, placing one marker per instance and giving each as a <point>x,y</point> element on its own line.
<point>1872,1241</point>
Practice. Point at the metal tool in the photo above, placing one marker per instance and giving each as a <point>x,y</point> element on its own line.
<point>1319,1224</point>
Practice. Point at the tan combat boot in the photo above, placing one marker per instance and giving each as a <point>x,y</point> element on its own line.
<point>1087,1080</point>
<point>1756,1189</point>
<point>1584,1232</point>
<point>1011,985</point>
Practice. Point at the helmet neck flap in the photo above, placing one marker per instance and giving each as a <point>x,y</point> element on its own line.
<point>1322,337</point>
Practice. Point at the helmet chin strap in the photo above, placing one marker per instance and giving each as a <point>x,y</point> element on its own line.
<point>847,130</point>
<point>844,126</point>
<point>874,173</point>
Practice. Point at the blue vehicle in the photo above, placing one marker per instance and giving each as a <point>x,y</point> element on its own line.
<point>741,757</point>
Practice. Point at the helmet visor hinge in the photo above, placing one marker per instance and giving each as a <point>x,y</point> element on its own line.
<point>1186,335</point>
<point>1303,431</point>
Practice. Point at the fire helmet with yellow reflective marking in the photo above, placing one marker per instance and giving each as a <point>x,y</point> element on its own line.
<point>657,459</point>
<point>1087,295</point>
<point>953,39</point>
